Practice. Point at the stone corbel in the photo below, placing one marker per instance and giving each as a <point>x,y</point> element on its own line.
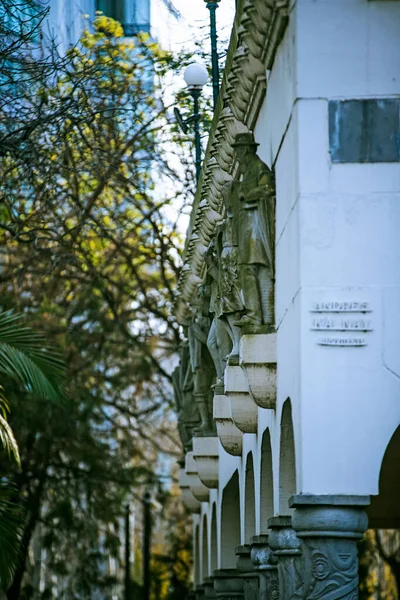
<point>206,456</point>
<point>191,503</point>
<point>225,152</point>
<point>258,360</point>
<point>199,490</point>
<point>233,126</point>
<point>244,410</point>
<point>229,435</point>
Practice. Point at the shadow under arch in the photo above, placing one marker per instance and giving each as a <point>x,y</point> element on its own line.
<point>287,460</point>
<point>249,501</point>
<point>230,522</point>
<point>197,555</point>
<point>204,550</point>
<point>384,510</point>
<point>214,540</point>
<point>266,483</point>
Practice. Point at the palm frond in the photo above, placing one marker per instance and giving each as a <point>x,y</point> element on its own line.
<point>25,357</point>
<point>11,532</point>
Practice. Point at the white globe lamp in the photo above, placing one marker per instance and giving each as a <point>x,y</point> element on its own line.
<point>195,76</point>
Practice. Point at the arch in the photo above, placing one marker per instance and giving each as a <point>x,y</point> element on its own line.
<point>204,550</point>
<point>230,522</point>
<point>197,555</point>
<point>384,510</point>
<point>287,460</point>
<point>250,501</point>
<point>214,540</point>
<point>266,483</point>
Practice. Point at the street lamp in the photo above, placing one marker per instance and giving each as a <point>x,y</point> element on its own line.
<point>196,77</point>
<point>212,6</point>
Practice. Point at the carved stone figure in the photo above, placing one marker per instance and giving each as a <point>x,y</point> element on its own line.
<point>255,213</point>
<point>182,381</point>
<point>218,341</point>
<point>202,365</point>
<point>231,305</point>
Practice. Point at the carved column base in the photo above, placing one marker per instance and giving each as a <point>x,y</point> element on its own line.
<point>246,571</point>
<point>199,592</point>
<point>329,527</point>
<point>228,584</point>
<point>265,564</point>
<point>209,589</point>
<point>285,546</point>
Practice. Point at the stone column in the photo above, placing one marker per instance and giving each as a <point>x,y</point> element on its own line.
<point>228,584</point>
<point>266,565</point>
<point>285,546</point>
<point>246,571</point>
<point>329,528</point>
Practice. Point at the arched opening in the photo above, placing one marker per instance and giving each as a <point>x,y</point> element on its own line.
<point>230,522</point>
<point>267,483</point>
<point>384,510</point>
<point>380,549</point>
<point>287,461</point>
<point>249,503</point>
<point>214,540</point>
<point>196,555</point>
<point>204,553</point>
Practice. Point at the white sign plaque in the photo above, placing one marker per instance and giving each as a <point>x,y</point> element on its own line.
<point>341,318</point>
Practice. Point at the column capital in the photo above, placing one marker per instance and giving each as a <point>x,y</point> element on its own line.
<point>330,516</point>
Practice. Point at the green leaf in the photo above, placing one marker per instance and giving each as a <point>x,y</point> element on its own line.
<point>11,532</point>
<point>25,357</point>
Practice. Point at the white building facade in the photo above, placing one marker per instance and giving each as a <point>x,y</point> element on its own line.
<point>301,452</point>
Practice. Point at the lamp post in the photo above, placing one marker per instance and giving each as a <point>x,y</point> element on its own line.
<point>196,77</point>
<point>212,6</point>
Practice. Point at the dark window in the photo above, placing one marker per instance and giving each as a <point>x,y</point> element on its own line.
<point>134,15</point>
<point>364,131</point>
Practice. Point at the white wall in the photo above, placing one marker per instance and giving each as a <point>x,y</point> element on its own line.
<point>337,240</point>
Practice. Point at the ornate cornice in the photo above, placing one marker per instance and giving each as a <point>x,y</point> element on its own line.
<point>257,31</point>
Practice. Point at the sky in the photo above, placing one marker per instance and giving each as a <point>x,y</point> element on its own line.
<point>181,34</point>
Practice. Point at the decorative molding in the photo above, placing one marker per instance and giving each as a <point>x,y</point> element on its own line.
<point>257,31</point>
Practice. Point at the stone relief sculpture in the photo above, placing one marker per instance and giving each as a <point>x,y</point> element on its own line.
<point>218,341</point>
<point>255,214</point>
<point>202,365</point>
<point>182,381</point>
<point>231,304</point>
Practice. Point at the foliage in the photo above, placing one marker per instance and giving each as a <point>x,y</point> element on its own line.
<point>91,251</point>
<point>379,570</point>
